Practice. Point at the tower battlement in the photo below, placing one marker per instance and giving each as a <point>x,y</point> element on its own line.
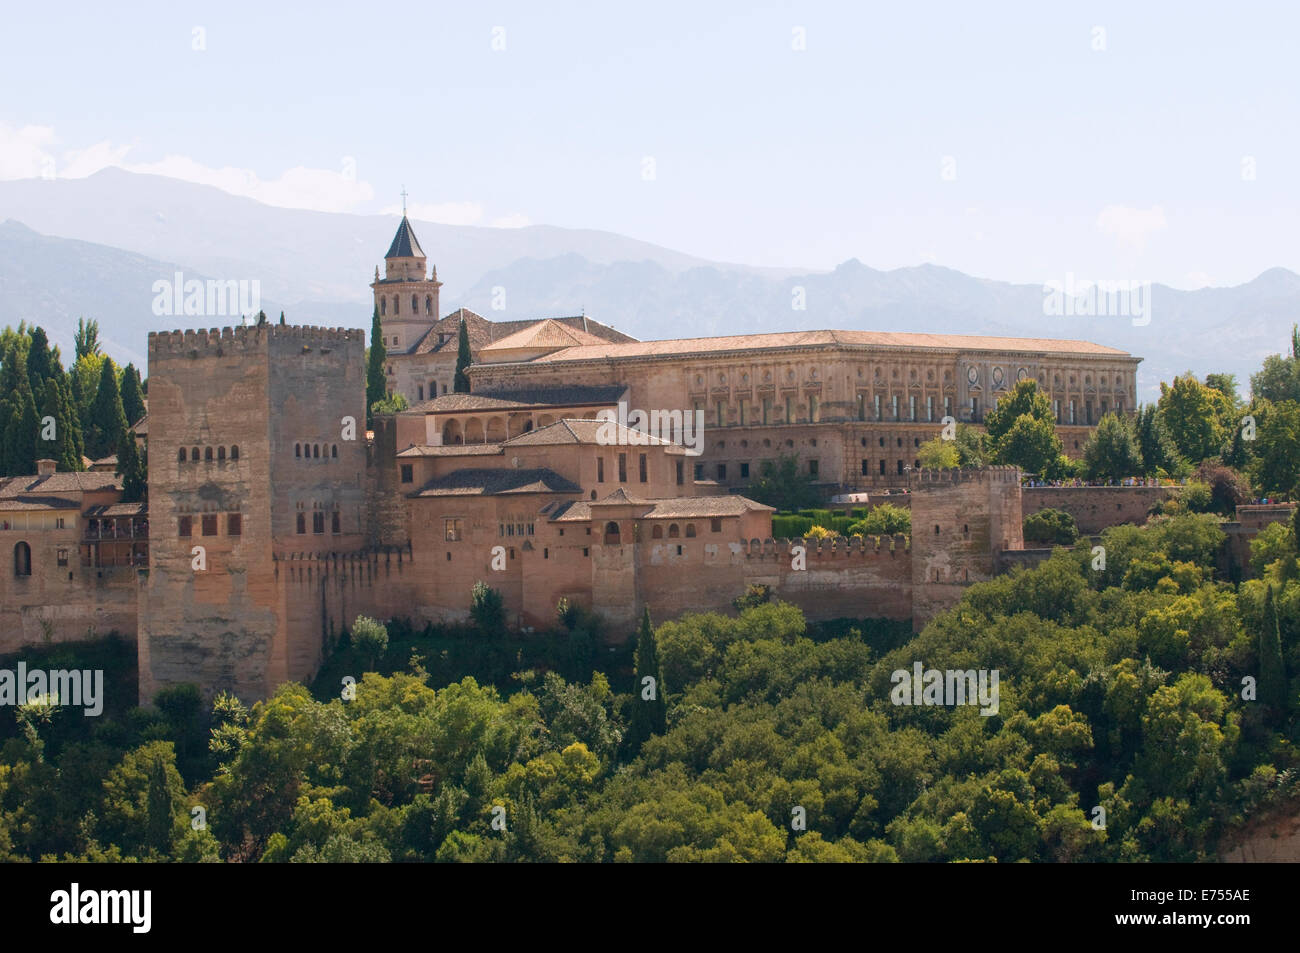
<point>216,342</point>
<point>926,479</point>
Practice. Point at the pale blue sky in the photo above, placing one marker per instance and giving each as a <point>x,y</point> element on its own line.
<point>1125,162</point>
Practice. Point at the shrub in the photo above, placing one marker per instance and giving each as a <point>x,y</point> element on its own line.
<point>1196,497</point>
<point>1051,526</point>
<point>885,520</point>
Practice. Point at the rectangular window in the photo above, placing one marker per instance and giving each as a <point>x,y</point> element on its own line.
<point>318,523</point>
<point>186,527</point>
<point>722,471</point>
<point>62,555</point>
<point>767,410</point>
<point>1071,411</point>
<point>744,412</point>
<point>814,408</point>
<point>744,471</point>
<point>681,472</point>
<point>641,468</point>
<point>974,408</point>
<point>882,467</point>
<point>929,408</point>
<point>209,524</point>
<point>58,522</point>
<point>1056,410</point>
<point>622,468</point>
<point>722,413</point>
<point>947,406</point>
<point>878,417</point>
<point>894,402</point>
<point>408,473</point>
<point>419,391</point>
<point>900,467</point>
<point>789,410</point>
<point>1087,411</point>
<point>699,471</point>
<point>336,526</point>
<point>234,524</point>
<point>866,467</point>
<point>715,525</point>
<point>452,530</point>
<point>302,523</point>
<point>812,468</point>
<point>586,551</point>
<point>911,407</point>
<point>600,469</point>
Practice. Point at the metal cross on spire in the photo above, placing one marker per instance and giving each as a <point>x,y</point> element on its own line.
<point>403,201</point>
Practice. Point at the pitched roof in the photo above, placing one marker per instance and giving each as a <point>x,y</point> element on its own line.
<point>544,334</point>
<point>686,507</point>
<point>141,427</point>
<point>405,244</point>
<point>573,396</point>
<point>10,504</point>
<point>791,339</point>
<point>482,332</point>
<point>452,450</point>
<point>498,482</point>
<point>118,509</point>
<point>598,432</point>
<point>11,487</point>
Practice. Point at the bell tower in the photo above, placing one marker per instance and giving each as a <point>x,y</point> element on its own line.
<point>407,295</point>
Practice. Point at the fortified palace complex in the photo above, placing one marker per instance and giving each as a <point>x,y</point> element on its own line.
<point>274,518</point>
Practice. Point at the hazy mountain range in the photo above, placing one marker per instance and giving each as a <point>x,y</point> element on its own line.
<point>95,247</point>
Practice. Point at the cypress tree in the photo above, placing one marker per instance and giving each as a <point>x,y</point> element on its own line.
<point>158,809</point>
<point>376,385</point>
<point>107,418</point>
<point>282,318</point>
<point>39,360</point>
<point>130,467</point>
<point>63,447</point>
<point>1272,669</point>
<point>21,435</point>
<point>649,710</point>
<point>132,399</point>
<point>462,359</point>
<point>70,423</point>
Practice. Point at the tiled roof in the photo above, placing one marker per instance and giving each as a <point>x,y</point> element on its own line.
<point>453,450</point>
<point>790,339</point>
<point>10,504</point>
<point>498,482</point>
<point>405,244</point>
<point>483,332</point>
<point>686,507</point>
<point>544,334</point>
<point>141,427</point>
<point>517,399</point>
<point>118,509</point>
<point>591,432</point>
<point>11,487</point>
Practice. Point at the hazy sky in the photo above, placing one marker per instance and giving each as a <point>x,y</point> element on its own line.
<point>1151,141</point>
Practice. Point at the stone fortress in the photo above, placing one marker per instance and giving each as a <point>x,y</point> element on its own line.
<point>274,517</point>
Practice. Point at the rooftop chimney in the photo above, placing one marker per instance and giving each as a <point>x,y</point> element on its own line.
<point>46,467</point>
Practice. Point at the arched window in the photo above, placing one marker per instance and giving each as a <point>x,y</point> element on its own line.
<point>383,306</point>
<point>194,454</point>
<point>234,451</point>
<point>22,559</point>
<point>397,305</point>
<point>221,453</point>
<point>297,450</point>
<point>334,450</point>
<point>936,529</point>
<point>612,537</point>
<point>428,304</point>
<point>415,304</point>
<point>657,532</point>
<point>690,530</point>
<point>181,455</point>
<point>673,531</point>
<point>315,451</point>
<point>207,454</point>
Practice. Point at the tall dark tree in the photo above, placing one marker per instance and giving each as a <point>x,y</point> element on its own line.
<point>1272,669</point>
<point>463,359</point>
<point>376,364</point>
<point>158,809</point>
<point>21,432</point>
<point>649,709</point>
<point>40,361</point>
<point>131,468</point>
<point>281,318</point>
<point>107,418</point>
<point>132,398</point>
<point>86,340</point>
<point>65,448</point>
